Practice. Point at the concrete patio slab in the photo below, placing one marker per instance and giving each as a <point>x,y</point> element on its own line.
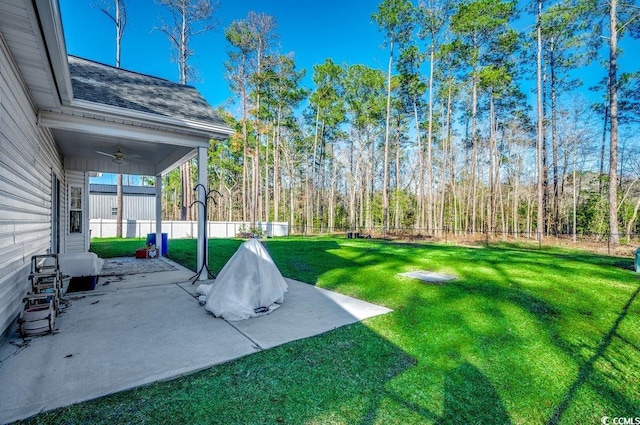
<point>122,337</point>
<point>143,276</point>
<point>110,342</point>
<point>307,311</point>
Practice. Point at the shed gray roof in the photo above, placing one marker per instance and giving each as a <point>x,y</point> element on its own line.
<point>107,85</point>
<point>127,190</point>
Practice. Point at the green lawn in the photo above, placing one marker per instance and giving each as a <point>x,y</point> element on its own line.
<point>522,337</point>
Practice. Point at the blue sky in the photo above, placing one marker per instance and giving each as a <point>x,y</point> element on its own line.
<point>312,30</point>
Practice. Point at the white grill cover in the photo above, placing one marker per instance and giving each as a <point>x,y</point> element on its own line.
<point>249,285</point>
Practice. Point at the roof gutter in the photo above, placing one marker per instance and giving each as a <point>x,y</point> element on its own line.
<point>51,26</point>
<point>143,118</point>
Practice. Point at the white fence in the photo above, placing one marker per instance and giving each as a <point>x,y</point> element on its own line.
<point>106,228</point>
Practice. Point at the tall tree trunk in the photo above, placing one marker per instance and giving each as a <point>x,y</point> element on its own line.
<point>474,144</point>
<point>119,192</point>
<point>255,190</point>
<point>555,220</point>
<point>385,173</point>
<point>183,56</point>
<point>491,205</point>
<point>362,195</point>
<point>540,139</point>
<point>266,179</point>
<point>276,168</point>
<point>291,206</point>
<point>516,202</point>
<point>320,184</point>
<point>185,169</point>
<point>602,149</point>
<point>396,188</point>
<point>120,24</point>
<point>575,191</point>
<point>184,203</point>
<point>313,174</point>
<point>256,201</point>
<point>503,217</point>
<point>353,179</point>
<point>633,218</point>
<point>420,192</point>
<point>332,193</point>
<point>119,207</point>
<point>370,185</point>
<point>451,173</point>
<point>177,206</point>
<point>430,199</point>
<point>308,204</point>
<point>444,182</point>
<point>613,108</point>
<point>245,155</point>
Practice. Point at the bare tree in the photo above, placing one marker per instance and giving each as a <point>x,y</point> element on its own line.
<point>189,18</point>
<point>116,11</point>
<point>118,14</point>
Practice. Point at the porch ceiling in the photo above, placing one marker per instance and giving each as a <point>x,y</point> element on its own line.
<point>148,148</point>
<point>142,157</point>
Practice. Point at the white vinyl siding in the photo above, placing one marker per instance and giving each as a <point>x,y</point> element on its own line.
<point>77,241</point>
<point>28,157</point>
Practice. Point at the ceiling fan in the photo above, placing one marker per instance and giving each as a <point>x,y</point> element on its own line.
<point>118,157</point>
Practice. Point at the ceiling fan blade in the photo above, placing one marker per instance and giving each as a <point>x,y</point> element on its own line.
<point>106,154</point>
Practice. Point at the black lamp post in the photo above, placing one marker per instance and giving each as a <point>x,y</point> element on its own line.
<point>208,197</point>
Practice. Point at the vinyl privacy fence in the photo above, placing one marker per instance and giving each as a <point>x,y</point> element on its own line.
<point>106,228</point>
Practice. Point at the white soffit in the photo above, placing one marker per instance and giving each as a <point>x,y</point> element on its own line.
<point>119,129</point>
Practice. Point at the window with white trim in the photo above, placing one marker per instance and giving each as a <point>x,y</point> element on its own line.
<point>75,209</point>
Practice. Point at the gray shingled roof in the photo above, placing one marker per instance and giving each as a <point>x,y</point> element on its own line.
<point>96,82</point>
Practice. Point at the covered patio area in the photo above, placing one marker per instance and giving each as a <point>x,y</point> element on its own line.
<point>143,328</point>
<point>65,118</point>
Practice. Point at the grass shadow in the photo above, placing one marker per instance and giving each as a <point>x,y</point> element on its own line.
<point>587,367</point>
<point>469,397</point>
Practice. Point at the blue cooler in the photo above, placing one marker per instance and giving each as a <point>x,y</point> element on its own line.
<point>151,240</point>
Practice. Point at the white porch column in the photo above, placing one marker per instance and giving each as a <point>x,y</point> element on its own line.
<point>159,215</point>
<point>202,197</point>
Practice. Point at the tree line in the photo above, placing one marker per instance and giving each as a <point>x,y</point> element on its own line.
<point>444,137</point>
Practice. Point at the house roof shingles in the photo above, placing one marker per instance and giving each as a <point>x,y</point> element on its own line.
<point>107,85</point>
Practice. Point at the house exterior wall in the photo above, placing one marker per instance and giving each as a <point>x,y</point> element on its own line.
<point>77,220</point>
<point>29,160</point>
<point>135,207</point>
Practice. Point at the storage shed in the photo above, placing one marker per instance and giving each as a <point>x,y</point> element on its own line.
<point>138,202</point>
